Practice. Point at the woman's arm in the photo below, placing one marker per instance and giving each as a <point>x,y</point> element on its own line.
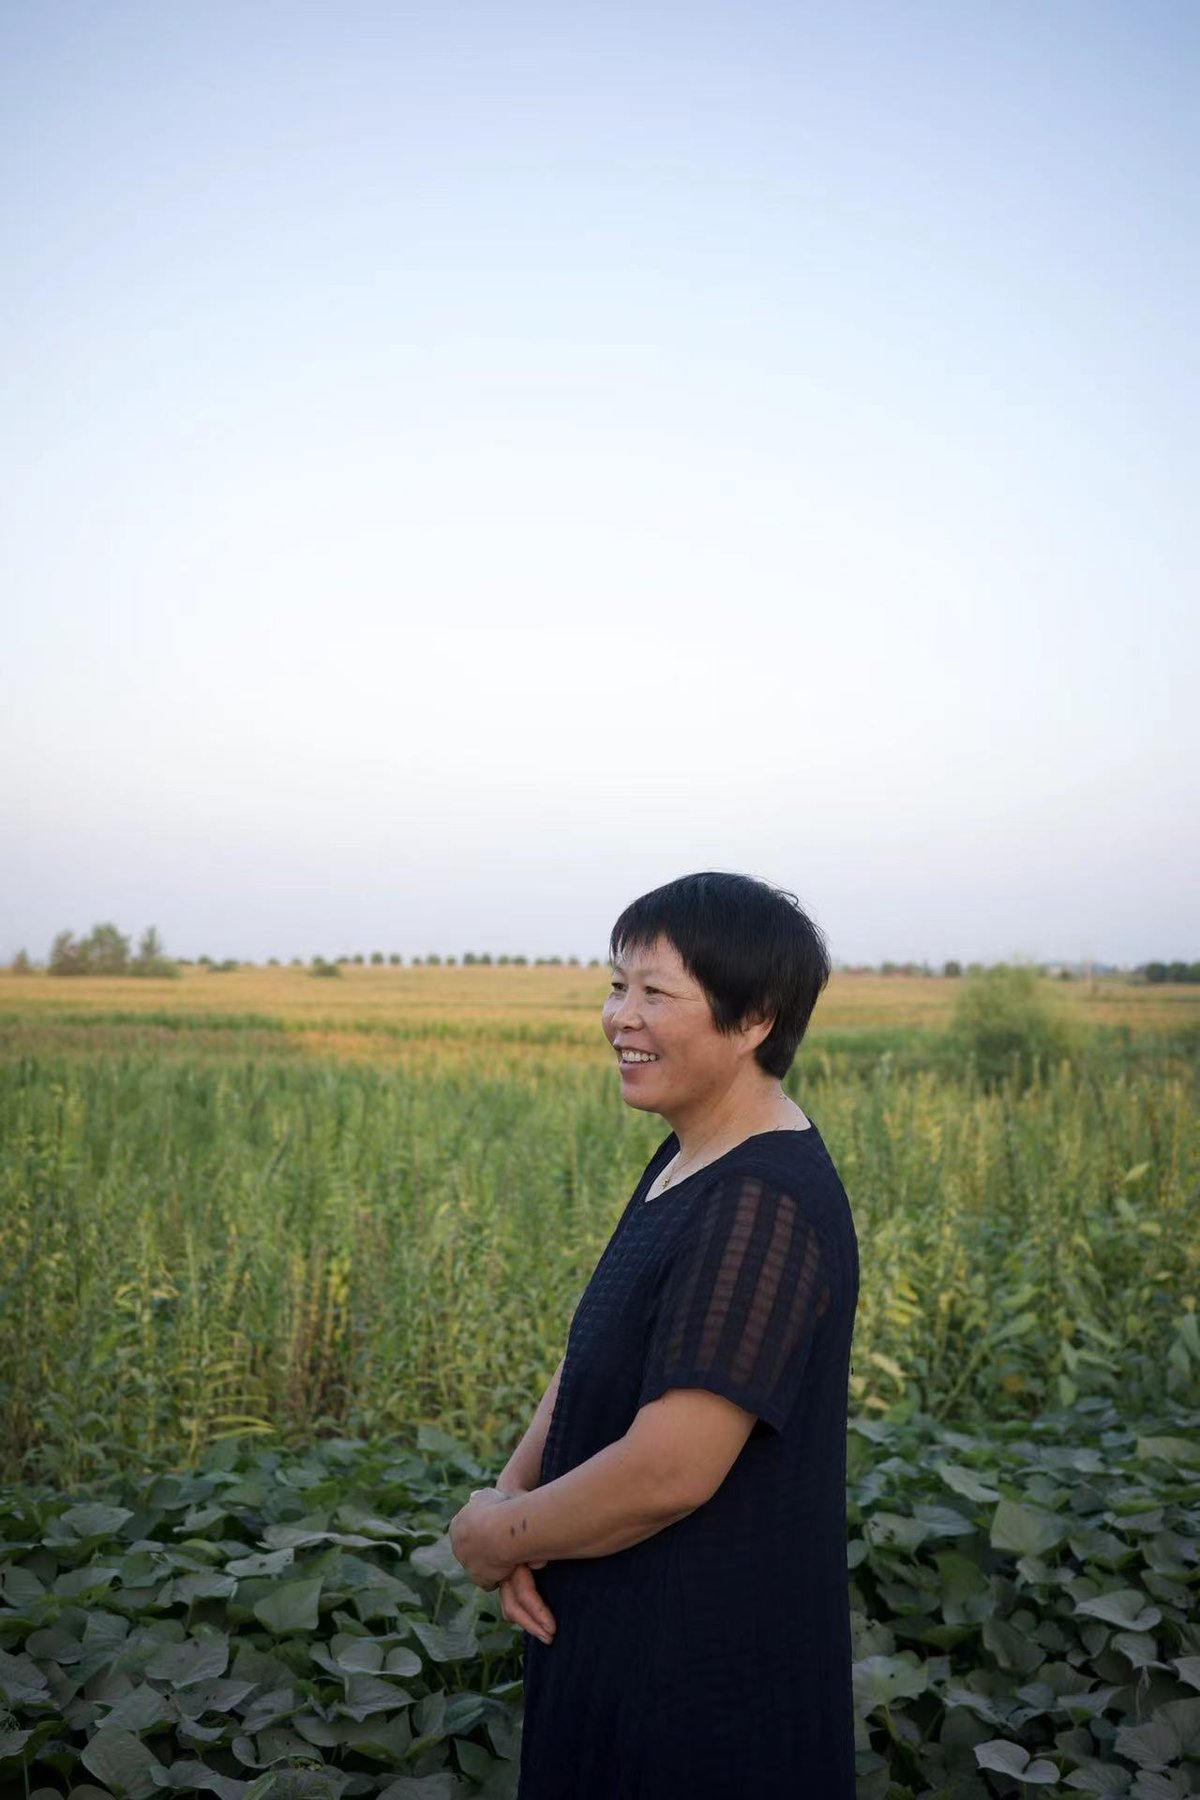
<point>523,1470</point>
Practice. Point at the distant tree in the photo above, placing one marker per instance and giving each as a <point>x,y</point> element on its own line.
<point>357,959</point>
<point>572,962</point>
<point>521,962</point>
<point>502,961</point>
<point>151,959</point>
<point>272,962</point>
<point>67,955</point>
<point>451,962</point>
<point>107,950</point>
<point>1005,1019</point>
<point>376,958</point>
<point>593,962</point>
<point>21,964</point>
<point>887,968</point>
<point>952,970</point>
<point>417,962</point>
<point>297,962</point>
<point>320,967</point>
<point>469,959</point>
<point>486,958</point>
<point>433,961</point>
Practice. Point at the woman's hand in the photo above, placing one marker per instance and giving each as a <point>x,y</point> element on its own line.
<point>470,1539</point>
<point>520,1601</point>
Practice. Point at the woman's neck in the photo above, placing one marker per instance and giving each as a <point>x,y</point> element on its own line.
<point>705,1134</point>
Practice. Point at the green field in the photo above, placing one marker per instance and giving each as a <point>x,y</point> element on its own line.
<point>262,1235</point>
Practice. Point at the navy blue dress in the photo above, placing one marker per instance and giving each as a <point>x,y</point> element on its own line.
<point>711,1661</point>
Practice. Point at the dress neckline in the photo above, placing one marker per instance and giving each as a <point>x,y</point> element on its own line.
<point>787,1131</point>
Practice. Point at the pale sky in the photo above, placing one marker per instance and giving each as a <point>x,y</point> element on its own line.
<point>465,465</point>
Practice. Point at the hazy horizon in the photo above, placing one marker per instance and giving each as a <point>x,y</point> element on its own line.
<point>465,467</point>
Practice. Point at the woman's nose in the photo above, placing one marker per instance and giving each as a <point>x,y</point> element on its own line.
<point>624,1014</point>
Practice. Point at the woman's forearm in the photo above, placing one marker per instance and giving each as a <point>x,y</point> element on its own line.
<point>614,1499</point>
<point>524,1467</point>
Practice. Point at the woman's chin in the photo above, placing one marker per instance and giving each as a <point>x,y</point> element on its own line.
<point>636,1091</point>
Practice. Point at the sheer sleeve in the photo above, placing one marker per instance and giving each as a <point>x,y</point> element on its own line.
<point>739,1300</point>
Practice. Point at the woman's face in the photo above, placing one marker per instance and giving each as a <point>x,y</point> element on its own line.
<point>658,1020</point>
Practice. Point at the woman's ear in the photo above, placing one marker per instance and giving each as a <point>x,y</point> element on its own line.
<point>755,1030</point>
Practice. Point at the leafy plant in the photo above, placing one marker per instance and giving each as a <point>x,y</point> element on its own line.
<point>1004,1020</point>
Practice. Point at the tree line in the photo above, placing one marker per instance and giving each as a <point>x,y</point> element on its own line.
<point>108,951</point>
<point>104,951</point>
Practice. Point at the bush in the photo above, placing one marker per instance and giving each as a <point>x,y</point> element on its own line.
<point>321,967</point>
<point>1005,1021</point>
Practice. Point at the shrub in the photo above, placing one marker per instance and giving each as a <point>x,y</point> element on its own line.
<point>319,966</point>
<point>1005,1021</point>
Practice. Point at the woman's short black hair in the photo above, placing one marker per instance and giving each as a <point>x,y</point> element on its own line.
<point>753,950</point>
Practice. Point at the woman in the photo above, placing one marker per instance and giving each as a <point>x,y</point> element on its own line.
<point>681,1487</point>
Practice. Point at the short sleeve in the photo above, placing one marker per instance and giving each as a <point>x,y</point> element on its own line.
<point>740,1298</point>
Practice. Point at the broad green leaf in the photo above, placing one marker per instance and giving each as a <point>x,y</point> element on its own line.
<point>942,1521</point>
<point>1026,1529</point>
<point>893,1531</point>
<point>1183,1716</point>
<point>212,1696</point>
<point>21,1587</point>
<point>406,1662</point>
<point>1170,1449</point>
<point>1139,1647</point>
<point>269,1709</point>
<point>292,1606</point>
<point>188,1777</point>
<point>442,1786</point>
<point>198,1659</point>
<point>94,1520</point>
<point>139,1710</point>
<point>122,1762</point>
<point>967,1483</point>
<point>444,1643</point>
<point>1092,1777</point>
<point>269,1562</point>
<point>1010,1759</point>
<point>1125,1607</point>
<point>367,1694</point>
<point>1150,1746</point>
<point>21,1681</point>
<point>73,1582</point>
<point>880,1680</point>
<point>1189,1669</point>
<point>360,1655</point>
<point>211,1586</point>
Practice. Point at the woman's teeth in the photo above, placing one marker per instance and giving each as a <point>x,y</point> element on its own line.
<point>637,1056</point>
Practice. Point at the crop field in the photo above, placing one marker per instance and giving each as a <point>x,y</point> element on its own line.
<point>285,1264</point>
